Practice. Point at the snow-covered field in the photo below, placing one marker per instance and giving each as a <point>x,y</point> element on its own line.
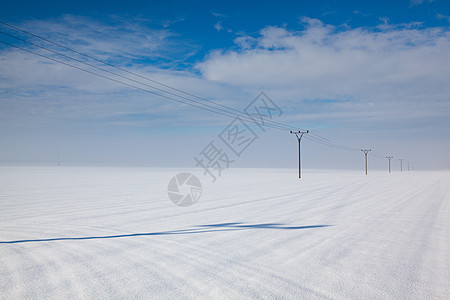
<point>102,233</point>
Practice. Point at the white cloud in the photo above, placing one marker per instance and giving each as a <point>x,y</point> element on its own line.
<point>245,41</point>
<point>218,15</point>
<point>385,20</point>
<point>391,67</point>
<point>388,75</point>
<point>119,39</point>
<point>441,16</point>
<point>218,26</point>
<point>418,2</point>
<point>415,2</point>
<point>34,88</point>
<point>324,62</point>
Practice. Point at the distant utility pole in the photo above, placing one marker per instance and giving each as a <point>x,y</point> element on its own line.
<point>401,164</point>
<point>366,151</point>
<point>408,166</point>
<point>299,134</point>
<point>389,158</point>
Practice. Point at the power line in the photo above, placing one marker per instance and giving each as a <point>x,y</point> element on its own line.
<point>210,106</point>
<point>211,109</point>
<point>242,115</point>
<point>274,124</point>
<point>112,79</point>
<point>119,68</point>
<point>338,145</point>
<point>314,138</point>
<point>377,156</point>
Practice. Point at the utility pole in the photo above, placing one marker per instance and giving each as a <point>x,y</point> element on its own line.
<point>389,158</point>
<point>299,134</point>
<point>408,166</point>
<point>401,164</point>
<point>366,151</point>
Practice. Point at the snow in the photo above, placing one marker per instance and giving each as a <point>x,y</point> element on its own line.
<point>110,232</point>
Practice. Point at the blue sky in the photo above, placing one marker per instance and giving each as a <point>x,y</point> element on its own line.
<point>197,22</point>
<point>363,73</point>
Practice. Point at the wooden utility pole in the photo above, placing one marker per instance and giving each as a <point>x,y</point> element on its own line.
<point>299,134</point>
<point>366,151</point>
<point>389,158</point>
<point>401,164</point>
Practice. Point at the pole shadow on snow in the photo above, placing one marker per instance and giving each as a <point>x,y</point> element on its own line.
<point>263,226</point>
<point>199,229</point>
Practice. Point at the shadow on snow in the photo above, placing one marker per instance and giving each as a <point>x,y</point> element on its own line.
<point>199,229</point>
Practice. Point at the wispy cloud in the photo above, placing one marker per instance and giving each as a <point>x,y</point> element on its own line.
<point>34,88</point>
<point>385,20</point>
<point>393,67</point>
<point>418,2</point>
<point>218,15</point>
<point>443,17</point>
<point>218,26</point>
<point>119,39</point>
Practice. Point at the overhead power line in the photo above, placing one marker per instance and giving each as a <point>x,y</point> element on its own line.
<point>171,94</point>
<point>223,112</point>
<point>235,111</point>
<point>326,142</point>
<point>112,79</point>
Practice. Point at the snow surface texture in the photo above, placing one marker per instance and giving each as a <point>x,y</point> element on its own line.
<point>102,233</point>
